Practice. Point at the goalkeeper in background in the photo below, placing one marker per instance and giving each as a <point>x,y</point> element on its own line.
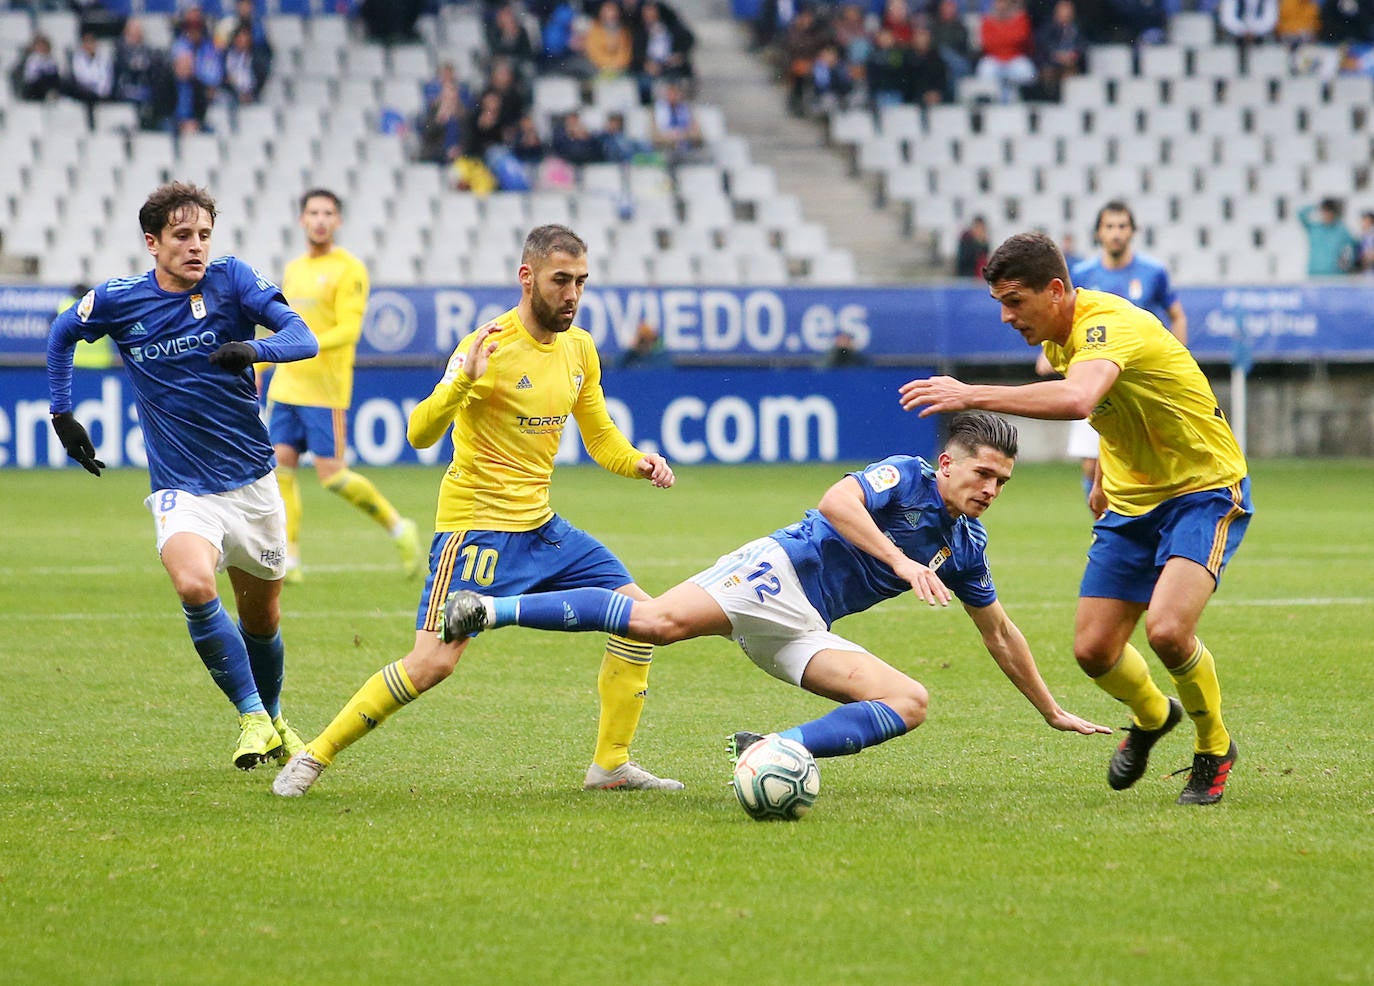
<point>308,401</point>
<point>508,391</point>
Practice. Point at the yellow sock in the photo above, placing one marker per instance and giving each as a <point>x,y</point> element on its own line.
<point>291,496</point>
<point>359,491</point>
<point>1129,682</point>
<point>1198,687</point>
<point>622,685</point>
<point>384,693</point>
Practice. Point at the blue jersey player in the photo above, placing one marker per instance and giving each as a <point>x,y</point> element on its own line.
<point>185,331</point>
<point>898,525</point>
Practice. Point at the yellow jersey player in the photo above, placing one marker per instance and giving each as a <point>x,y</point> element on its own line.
<point>1176,489</point>
<point>508,391</point>
<point>308,401</point>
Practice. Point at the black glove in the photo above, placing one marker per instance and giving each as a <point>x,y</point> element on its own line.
<point>77,443</point>
<point>234,356</point>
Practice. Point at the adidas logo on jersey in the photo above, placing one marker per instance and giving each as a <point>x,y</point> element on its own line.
<point>524,383</point>
<point>138,330</point>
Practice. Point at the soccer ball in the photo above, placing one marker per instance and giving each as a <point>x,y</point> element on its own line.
<point>776,778</point>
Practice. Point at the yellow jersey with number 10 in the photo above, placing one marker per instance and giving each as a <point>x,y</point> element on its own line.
<point>1163,432</point>
<point>507,426</point>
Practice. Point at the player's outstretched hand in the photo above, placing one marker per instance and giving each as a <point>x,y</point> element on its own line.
<point>77,443</point>
<point>935,394</point>
<point>656,470</point>
<point>924,582</point>
<point>234,356</point>
<point>1070,723</point>
<point>480,351</point>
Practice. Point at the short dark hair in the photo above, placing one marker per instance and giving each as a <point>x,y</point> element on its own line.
<point>1031,258</point>
<point>553,238</point>
<point>973,430</point>
<point>322,193</point>
<point>1114,205</point>
<point>169,200</point>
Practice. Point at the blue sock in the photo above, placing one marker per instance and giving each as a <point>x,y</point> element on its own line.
<point>572,611</point>
<point>223,653</point>
<point>848,729</point>
<point>267,660</point>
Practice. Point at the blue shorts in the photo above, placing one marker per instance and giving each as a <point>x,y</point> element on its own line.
<point>1128,553</point>
<point>502,563</point>
<point>322,431</point>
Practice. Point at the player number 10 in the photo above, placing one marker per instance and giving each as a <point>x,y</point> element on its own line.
<point>479,564</point>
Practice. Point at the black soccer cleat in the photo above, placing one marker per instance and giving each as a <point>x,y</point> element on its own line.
<point>738,742</point>
<point>464,615</point>
<point>1207,781</point>
<point>1133,755</point>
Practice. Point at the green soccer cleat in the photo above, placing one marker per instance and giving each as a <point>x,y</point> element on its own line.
<point>408,547</point>
<point>295,575</point>
<point>258,740</point>
<point>291,742</point>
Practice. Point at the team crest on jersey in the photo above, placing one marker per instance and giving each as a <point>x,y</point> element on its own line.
<point>882,478</point>
<point>198,306</point>
<point>524,383</point>
<point>1135,289</point>
<point>1096,337</point>
<point>86,306</point>
<point>941,556</point>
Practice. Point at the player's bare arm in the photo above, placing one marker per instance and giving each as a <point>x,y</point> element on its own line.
<point>843,506</point>
<point>1068,399</point>
<point>1009,649</point>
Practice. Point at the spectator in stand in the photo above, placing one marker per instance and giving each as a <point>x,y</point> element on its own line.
<point>37,75</point>
<point>831,81</point>
<point>843,353</point>
<point>207,64</point>
<point>187,97</point>
<point>972,255</point>
<point>90,74</point>
<point>1367,242</point>
<point>1060,49</point>
<point>1331,249</point>
<point>446,75</point>
<point>246,66</point>
<point>805,38</point>
<point>1248,22</point>
<point>1299,22</point>
<point>951,38</point>
<point>889,71</point>
<point>647,353</point>
<point>617,145</point>
<point>245,15</point>
<point>574,143</point>
<point>775,17</point>
<point>139,69</point>
<point>852,35</point>
<point>897,19</point>
<point>1069,248</point>
<point>503,82</point>
<point>563,42</point>
<point>390,21</point>
<point>1132,21</point>
<point>662,49</point>
<point>609,46</point>
<point>441,128</point>
<point>1005,37</point>
<point>508,39</point>
<point>676,132</point>
<point>527,145</point>
<point>1345,21</point>
<point>483,128</point>
<point>930,82</point>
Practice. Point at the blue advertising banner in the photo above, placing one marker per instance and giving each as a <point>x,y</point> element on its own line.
<point>690,415</point>
<point>917,325</point>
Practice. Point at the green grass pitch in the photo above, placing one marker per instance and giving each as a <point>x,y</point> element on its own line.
<point>456,846</point>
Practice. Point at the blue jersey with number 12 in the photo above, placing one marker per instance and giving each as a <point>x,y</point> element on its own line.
<point>901,495</point>
<point>201,423</point>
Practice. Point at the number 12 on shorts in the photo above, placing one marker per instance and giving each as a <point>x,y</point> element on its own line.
<point>764,584</point>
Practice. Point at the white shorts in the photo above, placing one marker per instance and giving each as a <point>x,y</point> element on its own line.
<point>246,525</point>
<point>1084,443</point>
<point>770,616</point>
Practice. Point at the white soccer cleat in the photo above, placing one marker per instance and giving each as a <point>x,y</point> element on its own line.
<point>629,776</point>
<point>300,772</point>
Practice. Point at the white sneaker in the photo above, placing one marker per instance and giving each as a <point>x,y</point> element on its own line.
<point>301,771</point>
<point>629,776</point>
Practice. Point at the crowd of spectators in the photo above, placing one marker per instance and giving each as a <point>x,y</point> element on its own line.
<point>171,89</point>
<point>490,135</point>
<point>878,52</point>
